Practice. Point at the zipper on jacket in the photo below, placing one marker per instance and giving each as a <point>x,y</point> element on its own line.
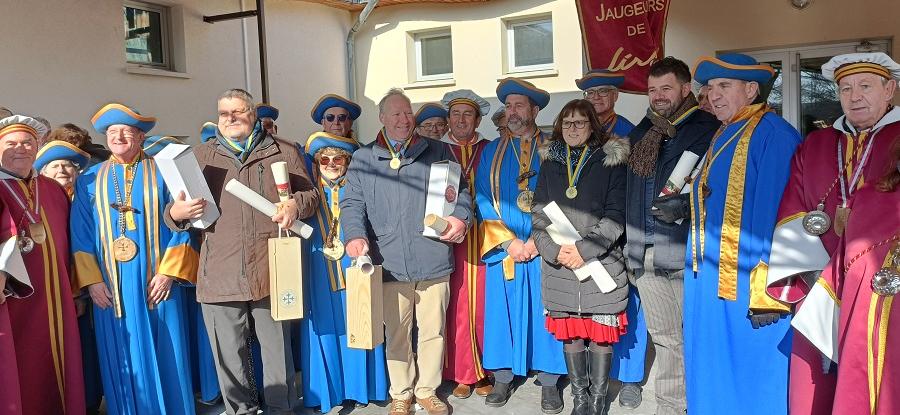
<point>259,178</point>
<point>579,300</point>
<point>205,252</point>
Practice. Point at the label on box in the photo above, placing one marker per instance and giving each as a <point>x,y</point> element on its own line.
<point>443,192</point>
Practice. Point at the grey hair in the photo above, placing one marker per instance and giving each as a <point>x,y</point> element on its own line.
<point>334,150</point>
<point>5,112</point>
<point>498,115</point>
<point>239,94</point>
<point>392,92</point>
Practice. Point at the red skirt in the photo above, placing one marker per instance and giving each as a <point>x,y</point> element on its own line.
<point>571,328</point>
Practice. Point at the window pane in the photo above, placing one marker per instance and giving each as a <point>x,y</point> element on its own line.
<point>437,55</point>
<point>143,36</point>
<point>819,104</point>
<point>533,44</point>
<point>775,90</point>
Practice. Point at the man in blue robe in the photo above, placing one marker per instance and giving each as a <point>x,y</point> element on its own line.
<point>601,88</point>
<point>736,353</point>
<point>515,339</point>
<point>129,260</point>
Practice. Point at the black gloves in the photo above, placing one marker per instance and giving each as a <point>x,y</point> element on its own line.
<point>670,208</point>
<point>763,319</point>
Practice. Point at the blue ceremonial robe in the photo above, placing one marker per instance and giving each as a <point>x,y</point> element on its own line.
<point>333,372</point>
<point>144,362</point>
<point>515,335</point>
<point>730,367</point>
<point>630,352</point>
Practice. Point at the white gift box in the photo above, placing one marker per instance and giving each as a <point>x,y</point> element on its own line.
<point>181,172</point>
<point>443,190</point>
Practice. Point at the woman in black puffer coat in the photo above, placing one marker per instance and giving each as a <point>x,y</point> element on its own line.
<point>584,173</point>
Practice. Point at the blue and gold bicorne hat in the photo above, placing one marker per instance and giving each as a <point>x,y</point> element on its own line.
<point>208,131</point>
<point>321,139</point>
<point>155,143</point>
<point>600,77</point>
<point>114,113</point>
<point>430,110</point>
<point>510,86</point>
<point>60,150</point>
<point>332,100</point>
<point>266,111</point>
<point>732,66</point>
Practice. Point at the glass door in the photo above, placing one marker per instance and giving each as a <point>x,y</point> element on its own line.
<point>799,92</point>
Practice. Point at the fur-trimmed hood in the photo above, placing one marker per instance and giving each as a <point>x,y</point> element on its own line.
<point>617,150</point>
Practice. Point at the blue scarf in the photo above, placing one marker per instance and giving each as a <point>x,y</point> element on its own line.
<point>241,149</point>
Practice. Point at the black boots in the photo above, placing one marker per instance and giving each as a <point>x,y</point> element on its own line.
<point>551,399</point>
<point>577,364</point>
<point>599,377</point>
<point>499,395</point>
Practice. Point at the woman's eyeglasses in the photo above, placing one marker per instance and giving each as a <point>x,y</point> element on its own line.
<point>340,118</point>
<point>579,125</point>
<point>338,160</point>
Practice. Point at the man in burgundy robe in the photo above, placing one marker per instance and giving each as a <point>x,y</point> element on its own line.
<point>39,346</point>
<point>828,171</point>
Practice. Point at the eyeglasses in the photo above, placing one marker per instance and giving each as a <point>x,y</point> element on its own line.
<point>598,93</point>
<point>579,125</point>
<point>340,118</point>
<point>338,160</point>
<point>232,114</point>
<point>432,126</point>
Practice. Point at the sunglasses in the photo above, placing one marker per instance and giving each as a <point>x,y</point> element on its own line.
<point>338,160</point>
<point>340,118</point>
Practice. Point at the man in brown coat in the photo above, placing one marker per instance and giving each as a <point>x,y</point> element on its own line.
<point>233,281</point>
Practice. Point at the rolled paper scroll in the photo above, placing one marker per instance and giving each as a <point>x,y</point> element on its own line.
<point>279,171</point>
<point>564,233</point>
<point>263,205</point>
<point>364,263</point>
<point>437,223</point>
<point>682,170</point>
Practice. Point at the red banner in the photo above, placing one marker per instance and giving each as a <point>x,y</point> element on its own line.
<point>624,35</point>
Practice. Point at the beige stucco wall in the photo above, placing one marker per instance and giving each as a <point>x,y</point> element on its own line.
<point>64,59</point>
<point>695,28</point>
<point>477,38</point>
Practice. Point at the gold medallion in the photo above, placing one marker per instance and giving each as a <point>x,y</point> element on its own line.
<point>525,200</point>
<point>571,192</point>
<point>336,252</point>
<point>395,163</point>
<point>124,249</point>
<point>37,232</point>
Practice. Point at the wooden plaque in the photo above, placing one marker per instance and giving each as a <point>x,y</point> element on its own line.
<point>286,278</point>
<point>365,313</point>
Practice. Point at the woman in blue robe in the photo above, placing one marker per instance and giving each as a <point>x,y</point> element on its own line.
<point>332,372</point>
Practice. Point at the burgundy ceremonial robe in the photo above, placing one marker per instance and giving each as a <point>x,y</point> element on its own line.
<point>814,179</point>
<point>868,336</point>
<point>39,342</point>
<point>464,331</point>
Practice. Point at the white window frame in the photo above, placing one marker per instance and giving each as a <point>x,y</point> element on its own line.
<point>790,58</point>
<point>418,46</point>
<point>511,45</point>
<point>164,30</point>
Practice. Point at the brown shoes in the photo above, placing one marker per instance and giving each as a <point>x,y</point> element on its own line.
<point>433,405</point>
<point>484,387</point>
<point>462,391</point>
<point>400,407</point>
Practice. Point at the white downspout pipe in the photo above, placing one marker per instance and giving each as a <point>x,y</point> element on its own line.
<point>351,39</point>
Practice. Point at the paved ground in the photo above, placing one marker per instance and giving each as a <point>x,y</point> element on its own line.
<point>525,400</point>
